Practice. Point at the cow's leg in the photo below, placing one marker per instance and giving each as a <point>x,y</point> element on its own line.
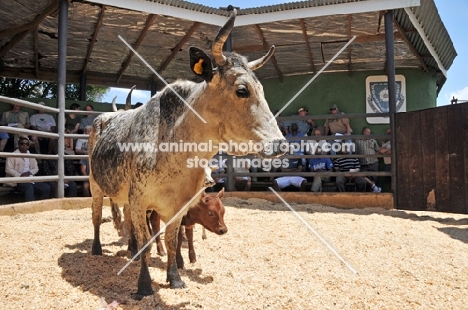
<point>97,220</point>
<point>179,258</point>
<point>191,253</point>
<point>156,225</point>
<point>170,239</point>
<point>132,240</point>
<point>143,236</point>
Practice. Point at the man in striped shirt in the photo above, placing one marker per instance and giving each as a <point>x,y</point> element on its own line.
<point>352,165</point>
<point>346,164</point>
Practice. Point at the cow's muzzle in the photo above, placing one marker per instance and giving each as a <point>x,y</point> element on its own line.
<point>221,230</point>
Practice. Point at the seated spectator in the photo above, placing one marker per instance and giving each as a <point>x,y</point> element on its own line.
<point>337,126</point>
<point>26,167</point>
<point>42,122</point>
<point>387,150</point>
<point>342,164</point>
<point>295,165</point>
<point>242,182</point>
<point>50,168</point>
<point>73,121</point>
<point>82,149</point>
<point>294,137</point>
<point>304,126</point>
<point>368,147</point>
<point>3,140</point>
<point>316,144</point>
<point>89,119</point>
<point>15,118</point>
<point>319,165</point>
<point>69,144</point>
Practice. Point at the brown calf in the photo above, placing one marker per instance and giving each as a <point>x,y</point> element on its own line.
<point>208,212</point>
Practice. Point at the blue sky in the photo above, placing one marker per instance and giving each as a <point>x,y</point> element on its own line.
<point>452,12</point>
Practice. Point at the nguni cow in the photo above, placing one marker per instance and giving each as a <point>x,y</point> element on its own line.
<point>230,99</point>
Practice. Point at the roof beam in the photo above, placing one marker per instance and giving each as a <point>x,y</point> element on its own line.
<point>410,45</point>
<point>178,46</point>
<point>93,39</point>
<point>36,51</point>
<point>33,24</point>
<point>306,39</point>
<point>7,47</point>
<point>350,19</point>
<point>266,46</point>
<point>242,49</point>
<point>126,63</point>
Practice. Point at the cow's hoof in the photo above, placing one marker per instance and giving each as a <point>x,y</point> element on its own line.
<point>96,250</point>
<point>138,296</point>
<point>178,284</point>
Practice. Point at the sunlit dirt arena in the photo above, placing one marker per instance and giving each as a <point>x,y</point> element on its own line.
<point>269,259</point>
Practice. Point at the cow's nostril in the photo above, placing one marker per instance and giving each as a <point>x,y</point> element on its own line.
<point>222,231</point>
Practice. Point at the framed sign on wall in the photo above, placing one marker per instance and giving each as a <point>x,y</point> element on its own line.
<point>377,97</point>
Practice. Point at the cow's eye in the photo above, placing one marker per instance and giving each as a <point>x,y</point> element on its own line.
<point>242,91</point>
<point>210,213</point>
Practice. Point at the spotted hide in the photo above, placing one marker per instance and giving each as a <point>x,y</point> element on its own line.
<point>230,99</point>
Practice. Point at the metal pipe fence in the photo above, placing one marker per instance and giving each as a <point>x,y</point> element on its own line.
<point>59,135</point>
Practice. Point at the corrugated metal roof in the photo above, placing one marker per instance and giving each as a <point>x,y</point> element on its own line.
<point>326,34</point>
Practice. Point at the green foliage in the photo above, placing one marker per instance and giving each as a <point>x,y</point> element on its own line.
<point>17,88</point>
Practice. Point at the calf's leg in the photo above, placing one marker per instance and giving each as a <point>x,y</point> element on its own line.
<point>189,233</point>
<point>156,225</point>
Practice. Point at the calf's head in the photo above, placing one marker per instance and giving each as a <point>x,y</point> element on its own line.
<point>209,212</point>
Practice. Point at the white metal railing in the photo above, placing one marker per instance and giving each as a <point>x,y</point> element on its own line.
<point>29,132</point>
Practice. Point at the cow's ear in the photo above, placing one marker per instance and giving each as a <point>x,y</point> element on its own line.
<point>204,197</point>
<point>200,63</point>
<point>221,193</point>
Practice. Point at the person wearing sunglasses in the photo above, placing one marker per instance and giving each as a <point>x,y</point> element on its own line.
<point>26,167</point>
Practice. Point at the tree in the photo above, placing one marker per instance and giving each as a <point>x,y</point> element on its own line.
<point>18,88</point>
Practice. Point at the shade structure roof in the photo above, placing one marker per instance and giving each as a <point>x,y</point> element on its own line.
<point>307,35</point>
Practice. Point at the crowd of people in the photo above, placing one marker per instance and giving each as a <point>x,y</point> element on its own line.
<point>334,129</point>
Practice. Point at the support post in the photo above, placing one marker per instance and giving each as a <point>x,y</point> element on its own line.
<point>61,83</point>
<point>390,57</point>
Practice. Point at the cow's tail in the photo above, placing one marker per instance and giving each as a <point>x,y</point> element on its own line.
<point>117,218</point>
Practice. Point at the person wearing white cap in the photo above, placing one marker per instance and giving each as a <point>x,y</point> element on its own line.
<point>42,122</point>
<point>304,125</point>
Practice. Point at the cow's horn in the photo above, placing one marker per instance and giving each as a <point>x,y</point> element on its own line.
<point>223,34</point>
<point>114,107</point>
<point>128,103</point>
<point>256,64</point>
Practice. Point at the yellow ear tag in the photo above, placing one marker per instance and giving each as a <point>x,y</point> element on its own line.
<point>198,67</point>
